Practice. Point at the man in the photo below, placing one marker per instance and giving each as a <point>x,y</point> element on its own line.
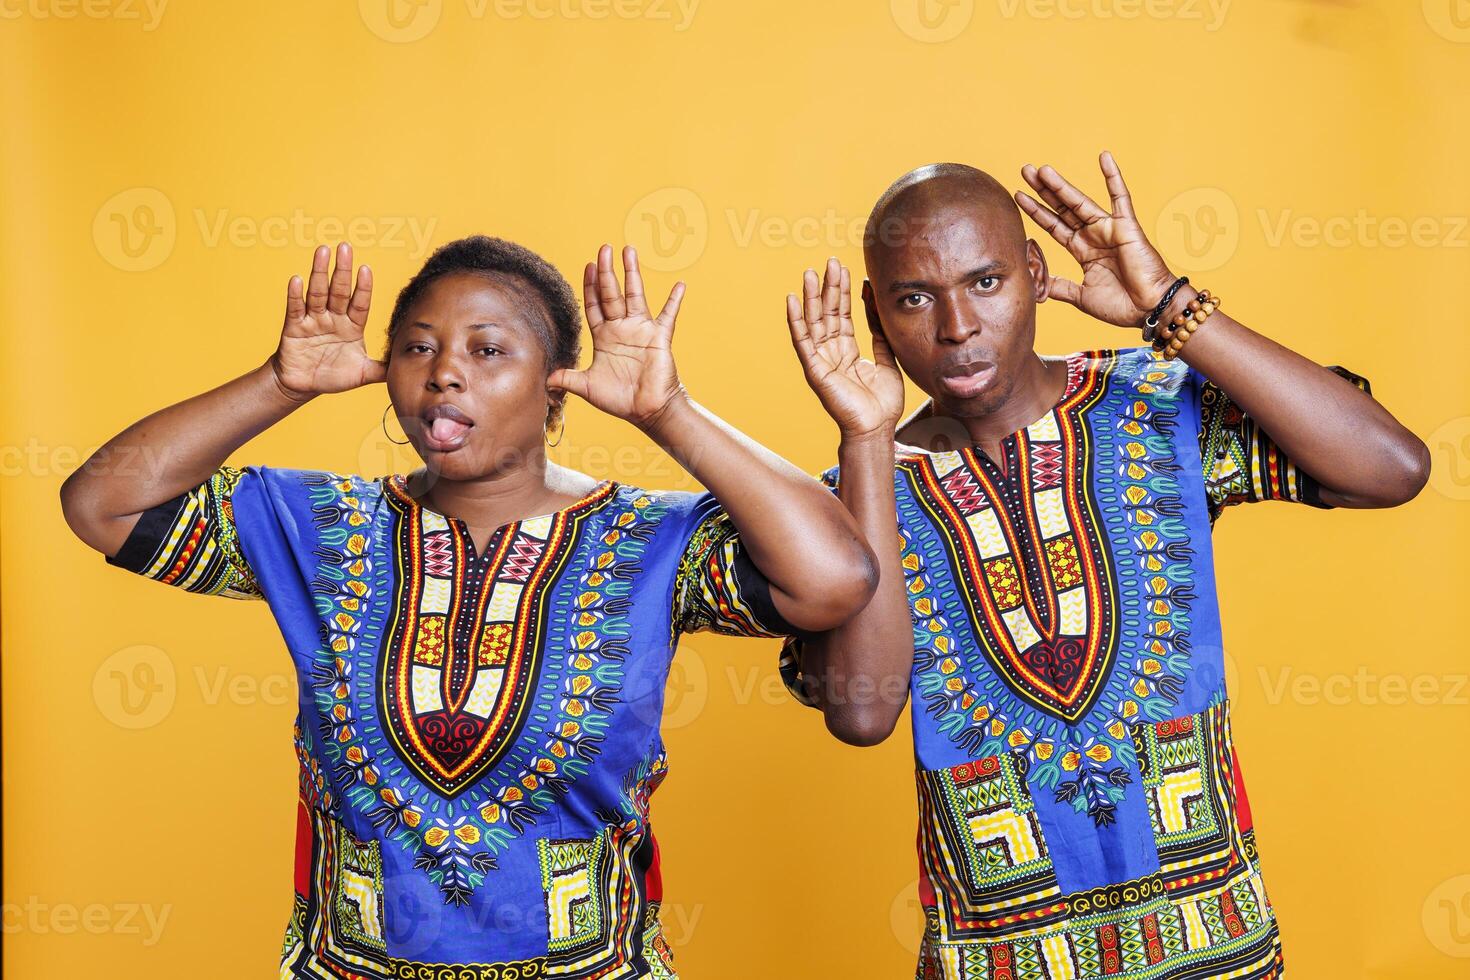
<point>1048,591</point>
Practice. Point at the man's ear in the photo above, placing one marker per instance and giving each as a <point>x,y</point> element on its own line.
<point>870,307</point>
<point>1040,275</point>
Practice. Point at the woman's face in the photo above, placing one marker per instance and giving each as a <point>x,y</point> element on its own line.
<point>467,375</point>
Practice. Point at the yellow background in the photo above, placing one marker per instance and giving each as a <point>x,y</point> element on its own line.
<point>153,167</point>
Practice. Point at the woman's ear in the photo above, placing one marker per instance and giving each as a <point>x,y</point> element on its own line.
<point>555,407</point>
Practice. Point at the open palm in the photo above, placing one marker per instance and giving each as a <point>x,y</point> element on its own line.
<point>632,374</point>
<point>322,348</point>
<point>1123,275</point>
<point>862,396</point>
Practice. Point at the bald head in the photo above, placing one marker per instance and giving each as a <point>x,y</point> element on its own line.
<point>953,284</point>
<point>912,202</point>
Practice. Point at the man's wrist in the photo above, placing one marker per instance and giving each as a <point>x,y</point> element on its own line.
<point>859,445</point>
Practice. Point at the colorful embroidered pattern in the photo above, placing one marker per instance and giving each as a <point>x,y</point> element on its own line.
<point>992,898</point>
<point>710,591</point>
<point>465,649</point>
<point>1081,811</point>
<point>1034,567</point>
<point>190,542</point>
<point>1242,464</point>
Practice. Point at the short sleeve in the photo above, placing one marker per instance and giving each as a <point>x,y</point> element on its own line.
<point>717,587</point>
<point>789,660</point>
<point>1241,463</point>
<point>193,542</point>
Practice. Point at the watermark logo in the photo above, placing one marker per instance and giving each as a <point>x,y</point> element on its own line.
<point>1208,13</point>
<point>687,690</point>
<point>400,21</point>
<point>669,227</point>
<point>1450,19</point>
<point>1449,453</point>
<point>406,21</point>
<point>135,229</point>
<point>146,13</point>
<point>1201,226</point>
<point>932,21</point>
<point>135,687</point>
<point>906,917</point>
<point>1446,917</point>
<point>38,917</point>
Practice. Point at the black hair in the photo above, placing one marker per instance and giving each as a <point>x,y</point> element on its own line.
<point>496,258</point>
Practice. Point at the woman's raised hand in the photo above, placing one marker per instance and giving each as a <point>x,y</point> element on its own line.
<point>632,373</point>
<point>321,349</point>
<point>862,396</point>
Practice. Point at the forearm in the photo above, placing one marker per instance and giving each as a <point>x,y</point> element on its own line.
<point>167,453</point>
<point>796,533</point>
<point>1348,442</point>
<point>858,673</point>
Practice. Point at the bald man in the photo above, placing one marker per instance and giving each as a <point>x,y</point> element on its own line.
<point>1048,588</point>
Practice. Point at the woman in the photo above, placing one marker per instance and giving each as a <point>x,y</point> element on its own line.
<point>481,646</point>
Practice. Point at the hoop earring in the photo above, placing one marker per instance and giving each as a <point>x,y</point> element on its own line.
<point>561,430</point>
<point>385,428</point>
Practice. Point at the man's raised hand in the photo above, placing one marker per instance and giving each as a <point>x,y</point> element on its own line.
<point>1123,275</point>
<point>862,396</point>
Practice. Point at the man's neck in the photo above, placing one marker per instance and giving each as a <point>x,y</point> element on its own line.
<point>933,427</point>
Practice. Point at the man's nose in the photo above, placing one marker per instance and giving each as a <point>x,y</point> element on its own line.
<point>958,322</point>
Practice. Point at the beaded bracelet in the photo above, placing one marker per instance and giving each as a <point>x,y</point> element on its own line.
<point>1171,339</point>
<point>1151,322</point>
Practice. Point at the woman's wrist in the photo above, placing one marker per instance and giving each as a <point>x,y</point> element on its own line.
<point>270,381</point>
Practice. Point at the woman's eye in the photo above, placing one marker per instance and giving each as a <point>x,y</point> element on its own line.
<point>492,351</point>
<point>417,348</point>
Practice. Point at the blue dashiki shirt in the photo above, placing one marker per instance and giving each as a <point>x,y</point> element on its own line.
<point>478,734</point>
<point>1081,810</point>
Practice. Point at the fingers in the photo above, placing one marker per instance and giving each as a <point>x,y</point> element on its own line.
<point>362,297</point>
<point>567,379</point>
<point>633,283</point>
<point>608,292</point>
<point>844,310</point>
<point>1049,222</point>
<point>1065,290</point>
<point>295,300</point>
<point>374,371</point>
<point>670,312</point>
<point>1033,179</point>
<point>1117,189</point>
<point>339,292</point>
<point>1080,204</point>
<point>811,294</point>
<point>316,285</point>
<point>801,337</point>
<point>589,296</point>
<point>832,298</point>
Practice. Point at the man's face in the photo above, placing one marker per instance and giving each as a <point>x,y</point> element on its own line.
<point>955,288</point>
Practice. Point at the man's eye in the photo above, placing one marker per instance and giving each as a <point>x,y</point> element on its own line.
<point>492,351</point>
<point>417,348</point>
<point>913,301</point>
<point>987,283</point>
